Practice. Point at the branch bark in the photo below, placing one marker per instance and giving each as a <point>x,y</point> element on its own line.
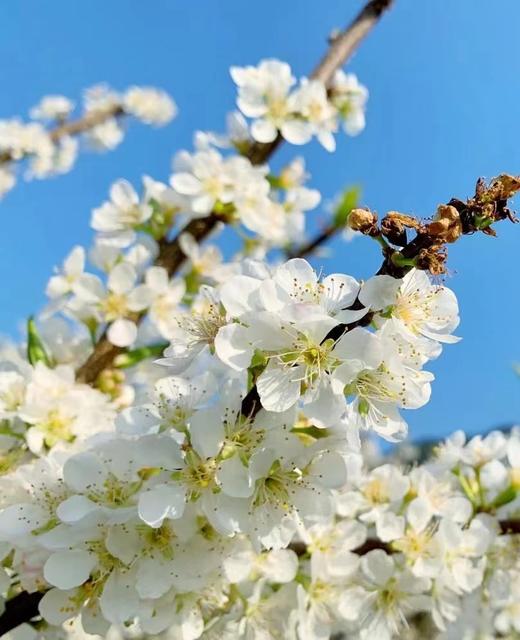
<point>22,608</point>
<point>170,253</point>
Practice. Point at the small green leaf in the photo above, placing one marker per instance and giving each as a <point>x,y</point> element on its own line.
<point>35,348</point>
<point>349,200</point>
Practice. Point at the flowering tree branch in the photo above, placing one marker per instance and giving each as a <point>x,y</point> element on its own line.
<point>237,476</point>
<point>171,255</point>
<point>75,127</point>
<point>427,251</point>
<point>48,142</point>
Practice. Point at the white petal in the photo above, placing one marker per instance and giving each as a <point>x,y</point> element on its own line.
<point>232,346</point>
<point>83,472</point>
<point>122,332</point>
<point>235,479</point>
<point>185,183</point>
<point>122,278</point>
<point>378,566</point>
<point>296,131</point>
<point>329,469</point>
<point>207,432</point>
<point>153,578</point>
<point>160,502</point>
<point>379,292</point>
<point>279,389</point>
<point>57,606</point>
<point>123,194</point>
<point>68,569</point>
<point>280,565</point>
<point>263,131</point>
<point>418,514</point>
<point>75,508</point>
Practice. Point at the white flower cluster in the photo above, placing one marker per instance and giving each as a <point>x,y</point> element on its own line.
<point>274,210</point>
<point>210,478</point>
<point>154,527</point>
<point>50,148</point>
<point>267,94</point>
<point>178,494</point>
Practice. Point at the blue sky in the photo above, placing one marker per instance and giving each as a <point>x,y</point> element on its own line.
<point>444,81</point>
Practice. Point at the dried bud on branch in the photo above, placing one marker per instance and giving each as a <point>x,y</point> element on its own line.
<point>447,225</point>
<point>363,220</point>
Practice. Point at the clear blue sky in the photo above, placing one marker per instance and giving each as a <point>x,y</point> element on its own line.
<point>444,80</point>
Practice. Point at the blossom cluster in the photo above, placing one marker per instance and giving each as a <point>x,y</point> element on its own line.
<point>277,105</point>
<point>142,517</point>
<point>214,478</point>
<point>49,146</point>
<point>106,533</point>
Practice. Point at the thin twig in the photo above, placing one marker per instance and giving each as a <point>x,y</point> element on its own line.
<point>316,242</point>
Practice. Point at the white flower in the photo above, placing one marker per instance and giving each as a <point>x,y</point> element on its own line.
<point>310,101</point>
<point>203,178</point>
<point>421,308</point>
<point>164,297</point>
<point>263,95</point>
<point>52,108</point>
<point>105,136</point>
<point>380,385</point>
<point>349,97</point>
<point>58,410</point>
<point>384,598</point>
<point>116,302</point>
<point>72,270</point>
<point>7,179</point>
<point>150,105</point>
<point>117,219</point>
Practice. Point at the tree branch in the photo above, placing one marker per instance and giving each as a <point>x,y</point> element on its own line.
<point>316,242</point>
<point>75,127</point>
<point>22,608</point>
<point>170,253</point>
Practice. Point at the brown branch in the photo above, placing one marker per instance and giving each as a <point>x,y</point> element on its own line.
<point>170,253</point>
<point>75,127</point>
<point>22,608</point>
<point>312,245</point>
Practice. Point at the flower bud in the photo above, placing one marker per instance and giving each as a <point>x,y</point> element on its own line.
<point>362,220</point>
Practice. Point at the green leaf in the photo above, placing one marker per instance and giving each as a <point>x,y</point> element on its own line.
<point>36,351</point>
<point>131,358</point>
<point>349,200</point>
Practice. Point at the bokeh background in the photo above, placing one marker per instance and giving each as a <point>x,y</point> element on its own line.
<point>444,81</point>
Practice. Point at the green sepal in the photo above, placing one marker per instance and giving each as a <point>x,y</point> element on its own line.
<point>36,351</point>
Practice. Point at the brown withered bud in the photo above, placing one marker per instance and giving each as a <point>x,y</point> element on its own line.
<point>447,225</point>
<point>394,225</point>
<point>403,219</point>
<point>363,220</point>
<point>502,187</point>
<point>432,259</point>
